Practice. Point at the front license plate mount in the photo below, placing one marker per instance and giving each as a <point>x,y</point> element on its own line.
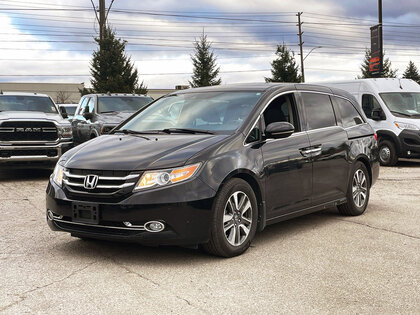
<point>85,213</point>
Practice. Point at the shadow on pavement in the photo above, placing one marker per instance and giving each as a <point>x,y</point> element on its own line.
<point>408,163</point>
<point>10,174</point>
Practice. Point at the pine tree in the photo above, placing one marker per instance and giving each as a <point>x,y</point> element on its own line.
<point>387,72</point>
<point>411,72</point>
<point>111,69</point>
<point>205,71</point>
<point>284,68</point>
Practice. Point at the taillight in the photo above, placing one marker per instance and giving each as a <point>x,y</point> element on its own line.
<point>376,137</point>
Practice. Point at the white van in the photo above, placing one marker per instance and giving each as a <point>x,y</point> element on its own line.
<point>392,107</point>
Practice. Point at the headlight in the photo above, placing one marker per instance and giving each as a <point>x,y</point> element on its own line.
<point>65,132</point>
<point>58,174</point>
<point>403,126</point>
<point>167,177</point>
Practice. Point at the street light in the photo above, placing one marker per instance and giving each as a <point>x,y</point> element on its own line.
<point>311,51</point>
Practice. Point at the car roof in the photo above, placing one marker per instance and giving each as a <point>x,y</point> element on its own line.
<point>23,94</point>
<point>117,94</point>
<point>266,87</point>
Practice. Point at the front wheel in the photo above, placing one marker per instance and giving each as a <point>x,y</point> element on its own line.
<point>387,153</point>
<point>235,219</point>
<point>358,192</point>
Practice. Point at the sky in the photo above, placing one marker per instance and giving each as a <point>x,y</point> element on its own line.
<point>45,41</point>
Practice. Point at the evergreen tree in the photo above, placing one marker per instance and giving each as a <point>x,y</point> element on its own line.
<point>412,72</point>
<point>284,68</point>
<point>111,69</point>
<point>387,72</point>
<point>205,71</point>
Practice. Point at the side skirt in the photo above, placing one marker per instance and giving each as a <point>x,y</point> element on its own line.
<point>299,213</point>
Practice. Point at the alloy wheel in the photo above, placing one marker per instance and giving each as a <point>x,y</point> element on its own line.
<point>359,188</point>
<point>237,218</point>
<point>385,154</point>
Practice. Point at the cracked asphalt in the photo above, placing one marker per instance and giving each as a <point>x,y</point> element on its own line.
<point>319,263</point>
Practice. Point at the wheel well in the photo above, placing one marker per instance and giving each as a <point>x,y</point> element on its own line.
<point>366,163</point>
<point>258,194</point>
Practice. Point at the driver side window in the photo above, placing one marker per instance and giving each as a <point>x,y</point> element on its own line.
<point>282,108</point>
<point>369,102</point>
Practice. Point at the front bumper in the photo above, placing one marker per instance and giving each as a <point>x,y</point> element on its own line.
<point>187,222</point>
<point>410,143</point>
<point>44,153</point>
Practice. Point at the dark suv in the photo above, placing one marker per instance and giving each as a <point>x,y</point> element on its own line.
<point>97,114</point>
<point>214,165</point>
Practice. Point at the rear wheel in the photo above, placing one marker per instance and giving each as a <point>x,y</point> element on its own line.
<point>358,192</point>
<point>387,153</point>
<point>235,219</point>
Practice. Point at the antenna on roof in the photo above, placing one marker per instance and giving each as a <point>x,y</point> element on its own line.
<point>1,92</point>
<point>109,93</point>
<point>399,80</point>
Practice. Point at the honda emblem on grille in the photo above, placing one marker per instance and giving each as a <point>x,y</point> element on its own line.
<point>91,181</point>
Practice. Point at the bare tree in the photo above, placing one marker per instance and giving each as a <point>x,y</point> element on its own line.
<point>62,97</point>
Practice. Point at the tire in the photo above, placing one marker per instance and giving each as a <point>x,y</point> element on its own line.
<point>359,183</point>
<point>228,242</point>
<point>387,153</point>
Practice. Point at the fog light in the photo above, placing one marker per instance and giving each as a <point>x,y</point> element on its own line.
<point>154,226</point>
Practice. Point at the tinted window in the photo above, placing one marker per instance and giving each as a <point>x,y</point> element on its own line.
<point>282,109</point>
<point>349,115</point>
<point>319,110</point>
<point>27,103</point>
<point>129,104</point>
<point>369,102</point>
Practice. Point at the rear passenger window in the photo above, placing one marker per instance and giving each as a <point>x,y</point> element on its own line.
<point>369,103</point>
<point>349,115</point>
<point>319,110</point>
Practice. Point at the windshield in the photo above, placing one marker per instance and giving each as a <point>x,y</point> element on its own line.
<point>70,109</point>
<point>27,103</point>
<point>213,111</point>
<point>406,104</point>
<point>129,104</point>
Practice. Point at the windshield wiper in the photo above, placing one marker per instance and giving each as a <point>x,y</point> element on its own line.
<point>186,130</point>
<point>399,113</point>
<point>108,112</point>
<point>131,132</point>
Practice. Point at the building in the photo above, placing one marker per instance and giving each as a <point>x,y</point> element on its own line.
<point>60,92</point>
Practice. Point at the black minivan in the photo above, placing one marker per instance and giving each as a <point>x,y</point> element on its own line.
<point>212,166</point>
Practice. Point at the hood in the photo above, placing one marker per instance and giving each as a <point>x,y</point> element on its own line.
<point>132,152</point>
<point>113,118</point>
<point>22,115</point>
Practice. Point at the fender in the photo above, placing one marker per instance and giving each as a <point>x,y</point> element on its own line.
<point>392,136</point>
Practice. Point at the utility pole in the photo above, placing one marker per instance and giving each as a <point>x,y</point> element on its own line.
<point>102,19</point>
<point>301,45</point>
<point>381,43</point>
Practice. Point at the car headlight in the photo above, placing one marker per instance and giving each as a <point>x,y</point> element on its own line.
<point>65,132</point>
<point>166,177</point>
<point>402,126</point>
<point>58,174</point>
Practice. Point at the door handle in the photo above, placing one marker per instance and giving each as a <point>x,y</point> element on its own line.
<point>311,151</point>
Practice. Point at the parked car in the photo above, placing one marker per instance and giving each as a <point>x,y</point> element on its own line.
<point>98,114</point>
<point>32,130</point>
<point>213,166</point>
<point>70,109</point>
<point>392,107</point>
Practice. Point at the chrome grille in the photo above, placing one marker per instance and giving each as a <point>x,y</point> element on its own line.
<point>110,184</point>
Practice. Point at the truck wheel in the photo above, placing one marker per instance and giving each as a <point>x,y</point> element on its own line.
<point>358,192</point>
<point>234,222</point>
<point>387,153</point>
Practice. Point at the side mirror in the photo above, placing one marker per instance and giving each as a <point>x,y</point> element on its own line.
<point>277,130</point>
<point>88,115</point>
<point>64,112</point>
<point>378,114</point>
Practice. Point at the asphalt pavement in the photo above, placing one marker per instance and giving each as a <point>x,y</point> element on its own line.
<point>319,263</point>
